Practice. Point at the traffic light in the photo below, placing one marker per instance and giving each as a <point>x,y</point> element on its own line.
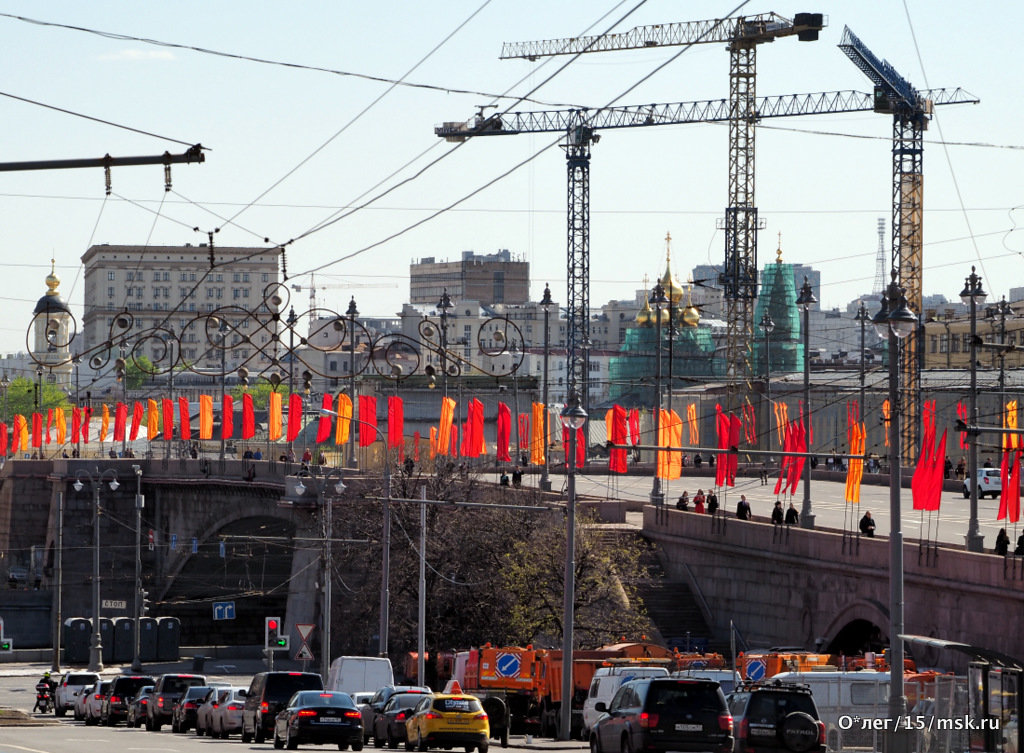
<point>307,381</point>
<point>274,637</point>
<point>119,369</point>
<point>6,645</point>
<point>144,608</point>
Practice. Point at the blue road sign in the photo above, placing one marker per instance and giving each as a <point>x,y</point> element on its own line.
<point>507,665</point>
<point>756,670</point>
<point>223,610</point>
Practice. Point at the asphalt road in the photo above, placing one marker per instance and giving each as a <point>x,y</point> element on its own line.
<point>948,525</point>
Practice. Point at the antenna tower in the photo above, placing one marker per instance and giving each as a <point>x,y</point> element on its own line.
<point>881,271</point>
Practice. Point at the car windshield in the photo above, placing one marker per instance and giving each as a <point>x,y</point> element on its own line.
<point>282,687</point>
<point>691,695</point>
<point>180,684</point>
<point>322,698</point>
<point>778,705</point>
<point>80,680</point>
<point>453,705</point>
<point>406,700</point>
<point>196,691</point>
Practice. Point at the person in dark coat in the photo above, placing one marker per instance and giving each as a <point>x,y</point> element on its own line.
<point>867,525</point>
<point>712,502</point>
<point>684,501</point>
<point>777,514</point>
<point>792,516</point>
<point>1002,543</point>
<point>743,511</point>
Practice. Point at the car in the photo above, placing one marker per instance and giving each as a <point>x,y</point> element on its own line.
<point>204,714</point>
<point>447,720</point>
<point>82,698</point>
<point>68,687</point>
<point>122,691</point>
<point>777,716</point>
<point>137,707</point>
<point>166,692</point>
<point>183,715</point>
<point>376,704</point>
<point>320,717</point>
<point>267,695</point>
<point>226,717</point>
<point>660,714</point>
<point>93,706</point>
<point>389,724</point>
<point>606,681</point>
<point>990,481</point>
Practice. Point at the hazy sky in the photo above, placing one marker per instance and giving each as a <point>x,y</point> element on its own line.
<point>293,147</point>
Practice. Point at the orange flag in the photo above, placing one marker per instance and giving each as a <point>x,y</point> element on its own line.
<point>444,430</point>
<point>274,416</point>
<point>62,426</point>
<point>105,422</point>
<point>205,417</point>
<point>341,429</point>
<point>152,420</point>
<point>537,435</point>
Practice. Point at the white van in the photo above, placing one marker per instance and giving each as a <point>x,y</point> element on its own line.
<point>606,683</point>
<point>729,679</point>
<point>359,674</point>
<point>861,695</point>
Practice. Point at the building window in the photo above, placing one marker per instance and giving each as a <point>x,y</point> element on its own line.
<point>110,292</point>
<point>167,277</point>
<point>245,277</point>
<point>245,292</point>
<point>129,276</point>
<point>220,292</point>
<point>266,277</point>
<point>191,276</point>
<point>934,343</point>
<point>944,344</point>
<point>236,277</point>
<point>209,292</point>
<point>184,276</point>
<point>236,293</point>
<point>332,366</point>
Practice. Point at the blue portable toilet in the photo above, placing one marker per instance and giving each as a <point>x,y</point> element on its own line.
<point>147,639</point>
<point>77,635</point>
<point>107,637</point>
<point>124,640</point>
<point>168,637</point>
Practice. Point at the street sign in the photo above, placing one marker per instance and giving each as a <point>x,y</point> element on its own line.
<point>303,654</point>
<point>114,604</point>
<point>223,610</point>
<point>304,630</point>
<point>756,670</point>
<point>507,665</point>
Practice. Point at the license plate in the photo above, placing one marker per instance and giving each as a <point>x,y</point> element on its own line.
<point>689,727</point>
<point>329,720</point>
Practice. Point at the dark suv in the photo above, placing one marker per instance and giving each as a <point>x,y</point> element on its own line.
<point>664,714</point>
<point>166,692</point>
<point>777,716</point>
<point>122,690</point>
<point>267,695</point>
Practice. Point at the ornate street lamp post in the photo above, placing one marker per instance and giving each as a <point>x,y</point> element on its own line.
<point>547,304</point>
<point>972,295</point>
<point>805,300</point>
<point>768,326</point>
<point>443,306</point>
<point>95,481</point>
<point>658,299</point>
<point>862,318</point>
<point>352,313</point>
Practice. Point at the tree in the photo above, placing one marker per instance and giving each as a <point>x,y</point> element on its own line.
<point>21,397</point>
<point>138,370</point>
<point>260,392</point>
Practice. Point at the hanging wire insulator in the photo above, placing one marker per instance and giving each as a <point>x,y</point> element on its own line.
<point>284,265</point>
<point>167,177</point>
<point>106,175</point>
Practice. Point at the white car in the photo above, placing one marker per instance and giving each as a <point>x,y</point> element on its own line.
<point>67,690</point>
<point>93,707</point>
<point>990,481</point>
<point>204,714</point>
<point>226,717</point>
<point>81,698</point>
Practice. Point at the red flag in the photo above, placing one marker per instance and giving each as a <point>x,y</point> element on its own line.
<point>796,465</point>
<point>504,432</point>
<point>294,416</point>
<point>37,430</point>
<point>455,441</point>
<point>787,446</point>
<point>735,425</point>
<point>120,419</point>
<point>634,426</point>
<point>722,433</point>
<point>416,446</point>
<point>76,422</point>
<point>367,420</point>
<point>183,419</point>
<point>227,417</point>
<point>581,448</point>
<point>961,413</point>
<point>49,423</point>
<point>396,421</point>
<point>524,429</point>
<point>935,490</point>
<point>137,412</point>
<point>3,439</point>
<point>168,411</point>
<point>617,456</point>
<point>248,417</point>
<point>323,429</point>
<point>86,418</point>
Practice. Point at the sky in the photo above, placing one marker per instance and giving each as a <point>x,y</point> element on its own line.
<point>299,144</point>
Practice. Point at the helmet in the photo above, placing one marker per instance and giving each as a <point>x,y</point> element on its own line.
<point>46,674</point>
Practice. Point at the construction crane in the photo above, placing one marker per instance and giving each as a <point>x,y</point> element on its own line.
<point>581,127</point>
<point>910,109</point>
<point>742,34</point>
<point>313,287</point>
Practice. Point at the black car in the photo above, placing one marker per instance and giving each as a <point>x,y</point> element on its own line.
<point>122,690</point>
<point>166,692</point>
<point>389,724</point>
<point>269,693</point>
<point>183,717</point>
<point>777,716</point>
<point>319,717</point>
<point>137,707</point>
<point>373,708</point>
<point>664,714</point>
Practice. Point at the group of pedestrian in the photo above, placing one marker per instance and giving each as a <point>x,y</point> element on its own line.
<point>789,517</point>
<point>701,503</point>
<point>516,479</point>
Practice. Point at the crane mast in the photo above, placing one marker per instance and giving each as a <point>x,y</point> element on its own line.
<point>739,276</point>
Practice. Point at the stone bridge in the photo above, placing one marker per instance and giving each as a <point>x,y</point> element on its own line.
<point>795,587</point>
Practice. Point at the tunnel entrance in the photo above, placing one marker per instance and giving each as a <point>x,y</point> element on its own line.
<point>857,637</point>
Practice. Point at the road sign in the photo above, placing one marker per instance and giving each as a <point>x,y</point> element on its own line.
<point>114,604</point>
<point>507,665</point>
<point>304,630</point>
<point>303,654</point>
<point>756,670</point>
<point>223,610</point>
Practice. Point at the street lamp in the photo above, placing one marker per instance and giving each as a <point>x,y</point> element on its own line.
<point>805,300</point>
<point>658,299</point>
<point>768,326</point>
<point>292,318</point>
<point>320,485</point>
<point>352,313</point>
<point>547,304</point>
<point>39,387</point>
<point>222,332</point>
<point>972,295</point>
<point>895,321</point>
<point>573,417</point>
<point>1002,309</point>
<point>139,504</point>
<point>5,384</point>
<point>863,317</point>
<point>443,306</point>
<point>95,481</point>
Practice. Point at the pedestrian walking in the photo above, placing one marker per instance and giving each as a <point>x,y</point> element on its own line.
<point>792,516</point>
<point>712,502</point>
<point>743,511</point>
<point>697,460</point>
<point>947,468</point>
<point>777,515</point>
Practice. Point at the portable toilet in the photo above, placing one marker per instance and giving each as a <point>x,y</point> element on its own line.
<point>77,636</point>
<point>124,640</point>
<point>107,637</point>
<point>147,639</point>
<point>168,637</point>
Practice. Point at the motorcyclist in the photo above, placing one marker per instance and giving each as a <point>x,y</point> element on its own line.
<point>45,690</point>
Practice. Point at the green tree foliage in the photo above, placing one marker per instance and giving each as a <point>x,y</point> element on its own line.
<point>21,397</point>
<point>138,370</point>
<point>260,392</point>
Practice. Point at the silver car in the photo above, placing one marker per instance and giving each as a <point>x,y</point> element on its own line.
<point>226,716</point>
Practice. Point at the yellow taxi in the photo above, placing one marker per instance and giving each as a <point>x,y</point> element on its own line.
<point>447,720</point>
